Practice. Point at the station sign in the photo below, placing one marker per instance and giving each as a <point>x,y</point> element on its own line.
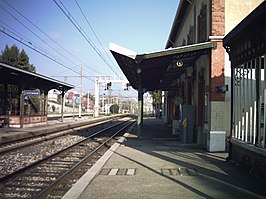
<point>32,92</point>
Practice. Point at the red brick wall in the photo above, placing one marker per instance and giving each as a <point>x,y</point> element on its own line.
<point>217,55</point>
<point>218,13</point>
<point>217,72</point>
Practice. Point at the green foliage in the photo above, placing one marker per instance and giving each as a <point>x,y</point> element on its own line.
<point>114,109</point>
<point>90,96</point>
<point>59,99</point>
<point>53,108</point>
<point>157,98</point>
<point>53,101</point>
<point>14,57</point>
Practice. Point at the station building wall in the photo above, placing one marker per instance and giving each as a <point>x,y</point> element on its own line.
<point>208,20</point>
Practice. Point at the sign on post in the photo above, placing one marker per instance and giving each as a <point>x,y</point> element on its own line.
<point>32,92</point>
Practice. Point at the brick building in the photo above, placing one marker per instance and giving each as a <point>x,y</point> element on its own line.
<point>73,97</point>
<point>193,71</point>
<point>204,85</point>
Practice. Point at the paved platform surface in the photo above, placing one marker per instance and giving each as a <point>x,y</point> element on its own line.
<point>162,168</point>
<point>12,134</point>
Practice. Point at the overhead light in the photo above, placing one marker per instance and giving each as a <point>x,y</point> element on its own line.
<point>179,63</point>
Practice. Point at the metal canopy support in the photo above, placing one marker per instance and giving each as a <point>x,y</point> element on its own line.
<point>140,111</point>
<point>62,105</point>
<point>21,114</point>
<point>97,93</point>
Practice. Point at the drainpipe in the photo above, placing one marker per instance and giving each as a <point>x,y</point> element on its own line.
<point>194,8</point>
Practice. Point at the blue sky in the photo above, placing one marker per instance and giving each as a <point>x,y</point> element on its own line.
<point>139,25</point>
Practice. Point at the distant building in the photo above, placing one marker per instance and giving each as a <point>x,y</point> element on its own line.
<point>71,102</point>
<point>147,104</point>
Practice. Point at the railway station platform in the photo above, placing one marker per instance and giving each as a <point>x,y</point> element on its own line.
<point>13,134</point>
<point>157,166</point>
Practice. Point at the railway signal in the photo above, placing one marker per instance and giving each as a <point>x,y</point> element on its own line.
<point>108,84</point>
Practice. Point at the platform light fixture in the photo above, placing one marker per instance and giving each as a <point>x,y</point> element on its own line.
<point>179,63</point>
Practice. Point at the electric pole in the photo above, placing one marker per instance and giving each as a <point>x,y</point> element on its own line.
<point>80,93</point>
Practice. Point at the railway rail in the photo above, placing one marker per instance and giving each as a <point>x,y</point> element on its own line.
<point>13,145</point>
<point>43,178</point>
<point>49,134</point>
<point>30,150</point>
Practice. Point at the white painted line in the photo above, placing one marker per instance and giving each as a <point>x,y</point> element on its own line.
<point>83,182</point>
<point>130,171</point>
<point>113,172</point>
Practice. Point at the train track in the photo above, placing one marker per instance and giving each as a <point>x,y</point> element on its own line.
<point>43,178</point>
<point>28,151</point>
<point>13,145</point>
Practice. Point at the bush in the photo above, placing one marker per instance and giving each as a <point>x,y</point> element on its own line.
<point>114,109</point>
<point>53,108</point>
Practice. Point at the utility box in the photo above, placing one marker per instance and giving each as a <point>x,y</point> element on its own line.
<point>188,123</point>
<point>216,142</point>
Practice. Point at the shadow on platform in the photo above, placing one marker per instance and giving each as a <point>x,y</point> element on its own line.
<point>154,128</point>
<point>214,176</point>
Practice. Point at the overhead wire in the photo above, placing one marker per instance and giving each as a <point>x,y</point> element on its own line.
<point>36,49</point>
<point>80,30</point>
<point>94,33</point>
<point>37,35</point>
<point>29,45</point>
<point>78,27</point>
<point>46,36</point>
<point>23,40</point>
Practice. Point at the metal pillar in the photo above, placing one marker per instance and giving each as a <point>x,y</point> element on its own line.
<point>80,92</point>
<point>62,105</point>
<point>88,102</point>
<point>140,111</point>
<point>97,92</point>
<point>21,114</point>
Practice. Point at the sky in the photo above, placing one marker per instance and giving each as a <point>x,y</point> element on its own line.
<point>139,25</point>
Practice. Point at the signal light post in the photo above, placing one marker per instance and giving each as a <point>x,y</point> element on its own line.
<point>108,87</point>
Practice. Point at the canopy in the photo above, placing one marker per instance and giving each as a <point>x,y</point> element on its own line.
<point>158,70</point>
<point>29,80</point>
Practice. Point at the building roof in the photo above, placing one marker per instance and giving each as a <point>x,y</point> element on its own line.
<point>179,17</point>
<point>29,80</point>
<point>160,69</point>
<point>248,39</point>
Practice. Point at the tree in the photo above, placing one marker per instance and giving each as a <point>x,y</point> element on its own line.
<point>10,55</point>
<point>14,57</point>
<point>157,98</point>
<point>114,109</point>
